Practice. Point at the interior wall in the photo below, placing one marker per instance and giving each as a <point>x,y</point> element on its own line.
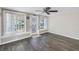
<point>66,24</point>
<point>0,21</point>
<point>0,26</point>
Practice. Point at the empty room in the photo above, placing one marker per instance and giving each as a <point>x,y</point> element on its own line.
<point>39,29</point>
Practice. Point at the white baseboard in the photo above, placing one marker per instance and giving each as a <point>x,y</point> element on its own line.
<point>65,36</point>
<point>36,36</point>
<point>43,31</point>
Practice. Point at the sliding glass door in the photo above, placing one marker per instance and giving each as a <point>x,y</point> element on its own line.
<point>34,24</point>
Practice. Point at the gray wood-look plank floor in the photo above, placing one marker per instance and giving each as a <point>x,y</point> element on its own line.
<point>46,42</point>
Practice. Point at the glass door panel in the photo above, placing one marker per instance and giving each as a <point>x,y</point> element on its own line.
<point>34,24</point>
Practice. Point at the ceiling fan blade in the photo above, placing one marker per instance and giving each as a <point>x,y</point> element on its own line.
<point>53,10</point>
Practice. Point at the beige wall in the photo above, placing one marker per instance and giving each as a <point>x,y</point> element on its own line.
<point>66,24</point>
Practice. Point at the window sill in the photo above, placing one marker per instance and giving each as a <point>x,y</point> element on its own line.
<point>8,39</point>
<point>14,35</point>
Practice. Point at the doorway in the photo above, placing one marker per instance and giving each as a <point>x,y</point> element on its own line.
<point>34,25</point>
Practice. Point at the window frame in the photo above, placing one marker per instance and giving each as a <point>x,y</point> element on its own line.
<point>4,23</point>
<point>45,18</point>
<point>41,18</point>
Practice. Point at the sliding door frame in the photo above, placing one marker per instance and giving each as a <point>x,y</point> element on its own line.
<point>37,29</point>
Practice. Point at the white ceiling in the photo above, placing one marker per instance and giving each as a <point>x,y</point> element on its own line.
<point>60,9</point>
<point>27,9</point>
<point>67,9</point>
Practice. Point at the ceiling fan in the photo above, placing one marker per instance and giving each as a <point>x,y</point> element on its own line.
<point>47,10</point>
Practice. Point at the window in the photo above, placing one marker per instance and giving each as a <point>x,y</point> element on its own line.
<point>41,22</point>
<point>13,22</point>
<point>45,22</point>
<point>20,25</point>
<point>9,23</point>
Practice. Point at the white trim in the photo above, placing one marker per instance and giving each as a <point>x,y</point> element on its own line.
<point>43,31</point>
<point>38,25</point>
<point>30,25</point>
<point>25,22</point>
